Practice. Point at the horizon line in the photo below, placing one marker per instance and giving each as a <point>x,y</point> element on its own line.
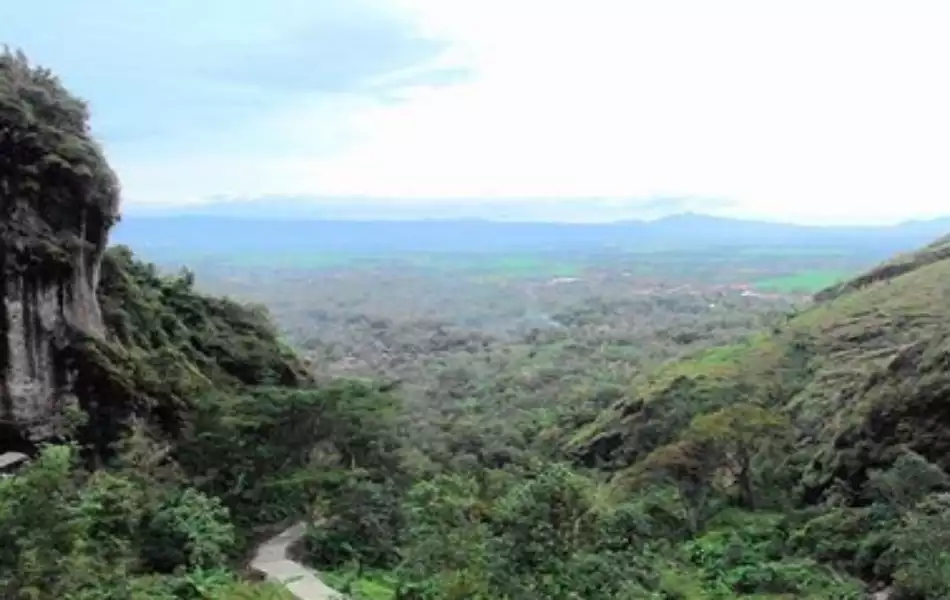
<point>170,212</point>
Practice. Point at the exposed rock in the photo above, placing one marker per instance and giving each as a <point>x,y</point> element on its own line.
<point>35,389</point>
<point>58,199</point>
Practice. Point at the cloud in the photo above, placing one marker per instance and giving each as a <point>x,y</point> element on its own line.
<point>334,52</point>
<point>162,76</point>
<point>813,111</point>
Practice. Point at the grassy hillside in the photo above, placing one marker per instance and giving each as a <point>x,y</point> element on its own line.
<point>829,367</point>
<point>863,380</point>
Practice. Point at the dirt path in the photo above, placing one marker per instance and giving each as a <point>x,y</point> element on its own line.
<point>272,561</point>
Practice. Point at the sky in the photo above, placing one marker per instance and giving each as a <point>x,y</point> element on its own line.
<point>817,111</point>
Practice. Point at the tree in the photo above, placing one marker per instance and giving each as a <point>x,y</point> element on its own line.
<point>909,480</point>
<point>920,550</point>
<point>690,466</point>
<point>544,520</point>
<point>446,541</point>
<point>359,519</point>
<point>267,453</point>
<point>188,530</point>
<point>737,434</point>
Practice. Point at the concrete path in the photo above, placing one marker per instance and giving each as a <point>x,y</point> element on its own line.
<point>884,594</point>
<point>272,561</point>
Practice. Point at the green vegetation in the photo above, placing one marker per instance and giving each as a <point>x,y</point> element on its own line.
<point>862,376</point>
<point>646,432</point>
<point>806,281</point>
<point>796,270</point>
<point>195,427</point>
<point>228,426</point>
<point>366,586</point>
<point>59,196</point>
<point>492,265</point>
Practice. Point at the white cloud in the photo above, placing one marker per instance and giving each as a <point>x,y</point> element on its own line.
<point>810,111</point>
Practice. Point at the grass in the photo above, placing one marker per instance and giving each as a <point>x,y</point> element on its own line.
<point>371,586</point>
<point>721,363</point>
<point>864,328</point>
<point>805,281</point>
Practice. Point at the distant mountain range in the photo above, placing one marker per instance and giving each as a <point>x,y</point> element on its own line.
<point>220,231</point>
<point>332,208</point>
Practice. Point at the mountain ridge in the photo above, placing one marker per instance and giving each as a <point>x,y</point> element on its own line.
<point>192,234</point>
<point>588,211</point>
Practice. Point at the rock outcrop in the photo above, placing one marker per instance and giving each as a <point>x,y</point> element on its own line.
<point>58,200</point>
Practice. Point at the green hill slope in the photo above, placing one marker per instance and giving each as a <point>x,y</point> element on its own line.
<point>862,365</point>
<point>862,378</point>
<point>166,345</point>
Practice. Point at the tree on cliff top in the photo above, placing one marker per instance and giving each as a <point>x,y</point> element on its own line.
<point>56,188</point>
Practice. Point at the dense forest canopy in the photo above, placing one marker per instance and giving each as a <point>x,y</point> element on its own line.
<point>670,425</point>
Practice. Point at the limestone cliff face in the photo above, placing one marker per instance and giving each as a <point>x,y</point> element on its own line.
<point>36,309</point>
<point>58,199</point>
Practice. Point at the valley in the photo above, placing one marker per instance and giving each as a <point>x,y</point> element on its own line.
<point>513,374</point>
<point>690,408</point>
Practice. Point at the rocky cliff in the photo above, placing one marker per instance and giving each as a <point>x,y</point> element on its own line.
<point>58,199</point>
<point>98,329</point>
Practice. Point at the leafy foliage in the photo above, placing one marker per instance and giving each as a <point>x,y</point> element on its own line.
<point>615,439</point>
<point>59,194</point>
<point>66,533</point>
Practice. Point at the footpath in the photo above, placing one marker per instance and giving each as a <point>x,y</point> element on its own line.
<point>272,561</point>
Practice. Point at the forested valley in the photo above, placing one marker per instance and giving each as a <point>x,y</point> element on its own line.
<point>697,425</point>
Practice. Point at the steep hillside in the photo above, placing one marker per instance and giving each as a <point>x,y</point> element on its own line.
<point>166,345</point>
<point>58,199</point>
<point>862,371</point>
<point>77,327</point>
<point>164,427</point>
<point>838,420</point>
<point>905,263</point>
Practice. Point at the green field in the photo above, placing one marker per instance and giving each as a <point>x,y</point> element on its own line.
<point>494,265</point>
<point>806,281</point>
<point>788,273</point>
<point>503,265</point>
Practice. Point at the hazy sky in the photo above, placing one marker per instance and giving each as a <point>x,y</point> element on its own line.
<point>812,110</point>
